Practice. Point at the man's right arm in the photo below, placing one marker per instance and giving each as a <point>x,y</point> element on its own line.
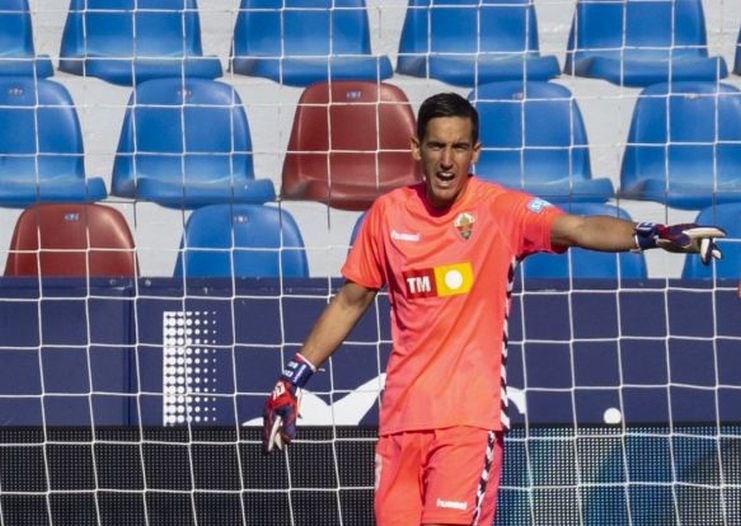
<point>336,322</point>
<point>280,413</point>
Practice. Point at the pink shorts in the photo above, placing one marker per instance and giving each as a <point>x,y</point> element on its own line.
<point>447,476</point>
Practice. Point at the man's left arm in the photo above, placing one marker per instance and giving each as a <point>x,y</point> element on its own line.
<point>611,234</point>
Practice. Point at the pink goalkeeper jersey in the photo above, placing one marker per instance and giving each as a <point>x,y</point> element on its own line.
<point>449,275</point>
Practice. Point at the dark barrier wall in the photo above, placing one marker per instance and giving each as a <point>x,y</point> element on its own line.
<point>159,352</point>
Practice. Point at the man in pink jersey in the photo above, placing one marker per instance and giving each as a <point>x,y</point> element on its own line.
<point>446,249</point>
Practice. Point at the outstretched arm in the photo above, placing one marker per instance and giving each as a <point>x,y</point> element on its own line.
<point>603,233</point>
<point>610,234</point>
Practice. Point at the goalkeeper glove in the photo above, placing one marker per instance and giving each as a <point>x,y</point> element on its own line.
<point>281,408</point>
<point>686,237</point>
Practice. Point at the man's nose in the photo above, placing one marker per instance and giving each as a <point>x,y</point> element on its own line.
<point>446,159</point>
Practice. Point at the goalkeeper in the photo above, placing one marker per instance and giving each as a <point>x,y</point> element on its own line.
<point>446,249</point>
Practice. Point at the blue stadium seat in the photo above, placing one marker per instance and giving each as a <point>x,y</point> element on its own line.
<point>467,42</point>
<point>581,263</point>
<point>727,217</point>
<point>186,144</point>
<point>17,54</point>
<point>547,154</point>
<point>241,241</point>
<point>641,42</point>
<point>737,60</point>
<point>299,42</point>
<point>41,149</point>
<point>691,157</point>
<point>130,41</point>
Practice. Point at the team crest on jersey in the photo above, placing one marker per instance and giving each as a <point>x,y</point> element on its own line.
<point>464,224</point>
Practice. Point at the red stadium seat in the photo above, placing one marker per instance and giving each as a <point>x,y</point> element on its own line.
<point>76,240</point>
<point>349,144</point>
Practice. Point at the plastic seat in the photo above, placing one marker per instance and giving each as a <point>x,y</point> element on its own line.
<point>467,42</point>
<point>690,157</point>
<point>299,42</point>
<point>17,54</point>
<point>727,217</point>
<point>41,150</point>
<point>351,153</point>
<point>185,144</point>
<point>547,154</point>
<point>641,42</point>
<point>242,241</point>
<point>71,240</point>
<point>581,263</point>
<point>737,60</point>
<point>130,41</point>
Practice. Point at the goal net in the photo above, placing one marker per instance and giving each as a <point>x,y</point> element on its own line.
<point>134,396</point>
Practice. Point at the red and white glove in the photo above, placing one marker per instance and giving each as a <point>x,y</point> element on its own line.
<point>281,408</point>
<point>685,237</point>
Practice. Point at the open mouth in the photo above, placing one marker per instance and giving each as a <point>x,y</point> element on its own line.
<point>445,177</point>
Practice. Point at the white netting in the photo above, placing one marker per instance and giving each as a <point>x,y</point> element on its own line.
<point>135,400</point>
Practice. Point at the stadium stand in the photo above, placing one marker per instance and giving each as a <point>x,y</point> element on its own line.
<point>689,157</point>
<point>130,41</point>
<point>334,160</point>
<point>71,240</point>
<point>241,241</point>
<point>728,217</point>
<point>638,43</point>
<point>299,42</point>
<point>580,263</point>
<point>17,53</point>
<point>737,59</point>
<point>533,139</point>
<point>186,143</point>
<point>465,42</point>
<point>41,145</point>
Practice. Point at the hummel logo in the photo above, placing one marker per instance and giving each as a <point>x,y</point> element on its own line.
<point>402,236</point>
<point>454,504</point>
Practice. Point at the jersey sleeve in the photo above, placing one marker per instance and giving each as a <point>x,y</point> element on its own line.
<point>529,223</point>
<point>364,263</point>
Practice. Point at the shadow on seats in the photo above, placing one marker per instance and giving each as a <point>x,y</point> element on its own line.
<point>17,53</point>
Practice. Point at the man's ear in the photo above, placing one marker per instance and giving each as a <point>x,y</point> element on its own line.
<point>415,146</point>
<point>476,152</point>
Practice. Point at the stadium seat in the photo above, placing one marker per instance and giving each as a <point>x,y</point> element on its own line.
<point>17,54</point>
<point>351,154</point>
<point>41,150</point>
<point>241,241</point>
<point>299,42</point>
<point>641,42</point>
<point>185,144</point>
<point>71,240</point>
<point>737,60</point>
<point>547,154</point>
<point>467,42</point>
<point>689,157</point>
<point>130,41</point>
<point>727,217</point>
<point>581,263</point>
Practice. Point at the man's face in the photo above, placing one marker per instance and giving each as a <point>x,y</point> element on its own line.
<point>446,153</point>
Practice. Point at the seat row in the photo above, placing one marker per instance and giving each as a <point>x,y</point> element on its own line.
<point>227,241</point>
<point>185,143</point>
<point>298,42</point>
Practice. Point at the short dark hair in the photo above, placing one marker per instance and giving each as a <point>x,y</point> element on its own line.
<point>447,105</point>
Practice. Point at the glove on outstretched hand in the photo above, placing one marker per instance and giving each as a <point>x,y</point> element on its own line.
<point>685,237</point>
<point>281,408</point>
